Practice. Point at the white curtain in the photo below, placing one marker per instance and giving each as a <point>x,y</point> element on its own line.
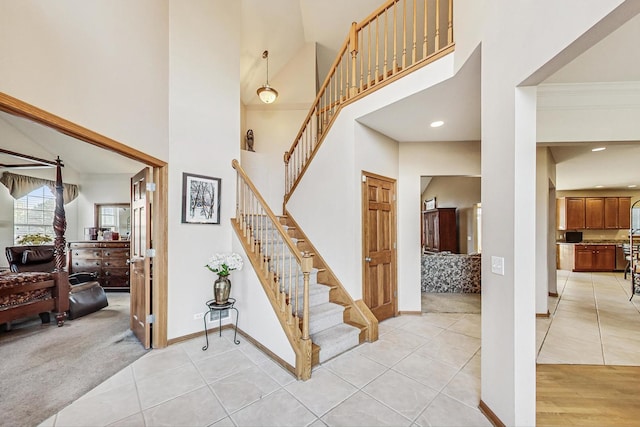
<point>21,185</point>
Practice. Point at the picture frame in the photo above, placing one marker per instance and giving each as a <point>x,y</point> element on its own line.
<point>200,199</point>
<point>430,204</point>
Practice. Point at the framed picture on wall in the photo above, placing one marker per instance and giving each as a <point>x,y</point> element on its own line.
<point>430,204</point>
<point>200,199</point>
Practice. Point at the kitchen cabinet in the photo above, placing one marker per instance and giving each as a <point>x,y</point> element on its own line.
<point>593,213</point>
<point>439,230</point>
<point>595,258</point>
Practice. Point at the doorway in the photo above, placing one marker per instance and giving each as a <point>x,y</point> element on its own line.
<point>157,295</point>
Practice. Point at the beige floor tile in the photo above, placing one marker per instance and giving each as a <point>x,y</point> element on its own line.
<point>429,372</point>
<point>473,366</point>
<point>443,320</point>
<point>101,409</point>
<point>49,422</point>
<point>355,368</point>
<point>222,365</point>
<point>445,411</point>
<point>167,385</point>
<point>245,387</point>
<point>363,410</point>
<point>160,360</point>
<point>277,372</point>
<point>401,393</point>
<point>404,340</point>
<point>469,325</point>
<point>135,420</point>
<point>424,329</point>
<point>395,322</point>
<point>217,345</point>
<point>322,392</point>
<point>197,408</point>
<point>383,351</point>
<point>465,388</point>
<point>457,340</point>
<point>446,353</point>
<point>277,409</point>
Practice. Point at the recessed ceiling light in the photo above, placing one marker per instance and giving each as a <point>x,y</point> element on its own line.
<point>599,149</point>
<point>632,186</point>
<point>437,124</point>
<point>599,186</point>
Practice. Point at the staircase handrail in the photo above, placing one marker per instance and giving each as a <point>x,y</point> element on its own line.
<point>253,222</point>
<point>344,84</point>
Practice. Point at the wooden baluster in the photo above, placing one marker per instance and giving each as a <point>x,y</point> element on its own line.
<point>353,49</point>
<point>414,46</point>
<point>394,63</point>
<point>369,55</point>
<point>404,34</point>
<point>437,36</point>
<point>450,24</point>
<point>377,49</point>
<point>361,41</point>
<point>287,186</point>
<point>386,37</point>
<point>424,44</point>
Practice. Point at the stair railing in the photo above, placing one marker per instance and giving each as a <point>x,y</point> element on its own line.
<point>393,41</point>
<point>282,269</point>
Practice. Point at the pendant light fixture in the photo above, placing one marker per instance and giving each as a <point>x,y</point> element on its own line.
<point>266,93</point>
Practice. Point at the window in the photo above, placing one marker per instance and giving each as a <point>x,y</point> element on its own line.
<point>33,213</point>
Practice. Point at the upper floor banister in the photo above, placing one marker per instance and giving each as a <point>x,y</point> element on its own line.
<point>397,38</point>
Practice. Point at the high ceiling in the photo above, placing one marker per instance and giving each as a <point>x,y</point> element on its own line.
<point>284,26</point>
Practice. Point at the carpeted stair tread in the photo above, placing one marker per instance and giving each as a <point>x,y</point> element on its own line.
<point>324,316</point>
<point>336,340</point>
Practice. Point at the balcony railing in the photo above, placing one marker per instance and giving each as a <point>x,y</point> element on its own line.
<point>396,39</point>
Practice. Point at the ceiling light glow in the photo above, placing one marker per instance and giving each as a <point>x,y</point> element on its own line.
<point>437,124</point>
<point>599,186</point>
<point>632,186</point>
<point>599,149</point>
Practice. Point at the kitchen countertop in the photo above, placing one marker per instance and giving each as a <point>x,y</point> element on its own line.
<point>595,242</point>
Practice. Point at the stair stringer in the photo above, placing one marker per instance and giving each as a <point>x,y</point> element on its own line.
<point>356,313</point>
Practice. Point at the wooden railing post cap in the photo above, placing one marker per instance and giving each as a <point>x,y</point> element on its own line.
<point>234,163</point>
<point>307,262</point>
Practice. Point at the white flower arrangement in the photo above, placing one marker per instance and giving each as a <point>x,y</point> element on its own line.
<point>223,264</point>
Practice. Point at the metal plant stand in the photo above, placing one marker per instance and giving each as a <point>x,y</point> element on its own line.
<point>212,306</point>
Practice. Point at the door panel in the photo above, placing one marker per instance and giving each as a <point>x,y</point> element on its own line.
<point>140,264</point>
<point>379,266</point>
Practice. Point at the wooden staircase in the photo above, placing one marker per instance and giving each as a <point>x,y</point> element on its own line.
<point>337,322</point>
<point>317,314</point>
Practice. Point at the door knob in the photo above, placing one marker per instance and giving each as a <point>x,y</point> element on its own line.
<point>367,259</point>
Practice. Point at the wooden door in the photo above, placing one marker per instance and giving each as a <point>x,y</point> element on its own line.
<point>379,252</point>
<point>140,263</point>
<point>611,213</point>
<point>594,213</point>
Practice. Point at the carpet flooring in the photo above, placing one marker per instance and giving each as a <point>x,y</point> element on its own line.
<point>450,303</point>
<point>44,368</point>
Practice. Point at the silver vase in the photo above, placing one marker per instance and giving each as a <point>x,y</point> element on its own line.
<point>221,289</point>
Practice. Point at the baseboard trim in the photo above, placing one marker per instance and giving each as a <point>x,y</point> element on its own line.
<point>246,336</point>
<point>493,418</point>
<point>553,294</point>
<point>543,315</point>
<point>410,313</point>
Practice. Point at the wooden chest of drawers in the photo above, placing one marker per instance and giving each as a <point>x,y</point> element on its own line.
<point>107,258</point>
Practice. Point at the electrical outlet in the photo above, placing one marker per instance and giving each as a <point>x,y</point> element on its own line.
<point>198,316</point>
<point>497,265</point>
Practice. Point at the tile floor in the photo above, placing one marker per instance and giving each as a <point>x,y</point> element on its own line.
<point>592,321</point>
<point>423,371</point>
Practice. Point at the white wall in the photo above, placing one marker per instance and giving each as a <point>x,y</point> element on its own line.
<point>101,64</point>
<point>99,188</point>
<point>513,48</point>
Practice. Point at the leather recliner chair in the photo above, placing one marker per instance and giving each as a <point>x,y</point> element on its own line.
<point>85,295</point>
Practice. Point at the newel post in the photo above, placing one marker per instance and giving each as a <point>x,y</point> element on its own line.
<point>305,342</point>
<point>353,49</point>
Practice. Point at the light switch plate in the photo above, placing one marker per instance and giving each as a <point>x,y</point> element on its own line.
<point>497,265</point>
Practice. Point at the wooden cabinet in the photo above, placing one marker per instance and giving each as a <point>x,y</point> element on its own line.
<point>439,230</point>
<point>593,213</point>
<point>106,258</point>
<point>595,258</point>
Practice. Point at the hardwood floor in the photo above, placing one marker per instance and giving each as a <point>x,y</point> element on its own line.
<point>588,395</point>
